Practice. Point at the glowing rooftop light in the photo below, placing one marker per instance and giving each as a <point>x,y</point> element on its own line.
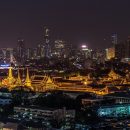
<point>84,46</point>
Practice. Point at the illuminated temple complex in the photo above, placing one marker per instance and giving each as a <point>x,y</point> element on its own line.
<point>111,78</point>
<point>42,83</point>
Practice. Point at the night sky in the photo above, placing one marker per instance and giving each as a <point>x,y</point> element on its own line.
<point>76,21</point>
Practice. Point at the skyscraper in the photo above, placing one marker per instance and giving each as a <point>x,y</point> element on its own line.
<point>39,47</point>
<point>29,53</point>
<point>114,39</point>
<point>120,50</point>
<point>40,50</point>
<point>127,47</point>
<point>21,50</point>
<point>47,48</point>
<point>59,48</point>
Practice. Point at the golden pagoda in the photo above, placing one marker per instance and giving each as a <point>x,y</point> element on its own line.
<point>27,80</point>
<point>10,80</point>
<point>49,84</point>
<point>19,81</point>
<point>10,77</point>
<point>113,75</point>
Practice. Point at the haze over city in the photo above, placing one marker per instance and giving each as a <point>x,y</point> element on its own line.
<point>76,21</point>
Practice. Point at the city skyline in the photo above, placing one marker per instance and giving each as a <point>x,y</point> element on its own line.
<point>90,22</point>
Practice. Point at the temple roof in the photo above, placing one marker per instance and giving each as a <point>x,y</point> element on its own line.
<point>112,73</point>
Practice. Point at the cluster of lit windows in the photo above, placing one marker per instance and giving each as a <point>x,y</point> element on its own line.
<point>115,111</point>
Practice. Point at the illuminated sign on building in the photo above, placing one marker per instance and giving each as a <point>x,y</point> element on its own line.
<point>4,66</point>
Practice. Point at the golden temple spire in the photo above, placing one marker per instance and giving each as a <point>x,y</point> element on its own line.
<point>49,84</point>
<point>27,80</point>
<point>10,75</point>
<point>112,74</point>
<point>19,82</point>
<point>49,80</point>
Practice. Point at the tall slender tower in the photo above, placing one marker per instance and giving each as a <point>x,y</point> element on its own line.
<point>47,42</point>
<point>21,50</point>
<point>114,39</point>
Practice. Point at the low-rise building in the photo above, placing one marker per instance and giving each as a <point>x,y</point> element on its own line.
<point>34,112</point>
<point>5,101</point>
<point>9,126</point>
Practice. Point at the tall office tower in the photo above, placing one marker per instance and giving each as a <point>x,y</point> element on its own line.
<point>86,51</point>
<point>122,50</point>
<point>127,47</point>
<point>29,53</point>
<point>59,48</point>
<point>46,44</point>
<point>40,51</point>
<point>12,58</point>
<point>21,50</point>
<point>34,53</point>
<point>114,39</point>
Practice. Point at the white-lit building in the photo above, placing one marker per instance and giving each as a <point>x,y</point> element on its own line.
<point>86,51</point>
<point>59,48</point>
<point>34,112</point>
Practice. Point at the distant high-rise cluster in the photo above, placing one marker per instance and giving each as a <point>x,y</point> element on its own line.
<point>46,48</point>
<point>7,56</point>
<point>119,51</point>
<point>61,49</point>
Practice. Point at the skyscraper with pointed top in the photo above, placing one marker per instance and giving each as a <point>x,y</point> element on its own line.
<point>114,39</point>
<point>47,48</point>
